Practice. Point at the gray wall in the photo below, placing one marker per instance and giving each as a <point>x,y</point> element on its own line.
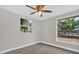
<point>10,35</point>
<point>48,30</point>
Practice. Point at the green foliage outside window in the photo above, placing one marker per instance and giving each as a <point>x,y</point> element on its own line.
<point>26,25</point>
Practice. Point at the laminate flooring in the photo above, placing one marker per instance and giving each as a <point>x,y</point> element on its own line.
<point>41,49</point>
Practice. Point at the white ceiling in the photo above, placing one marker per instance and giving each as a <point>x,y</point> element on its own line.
<point>56,10</point>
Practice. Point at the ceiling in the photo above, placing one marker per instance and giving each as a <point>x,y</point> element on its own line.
<point>25,11</point>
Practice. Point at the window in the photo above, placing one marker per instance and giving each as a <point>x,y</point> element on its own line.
<point>68,30</point>
<point>25,25</point>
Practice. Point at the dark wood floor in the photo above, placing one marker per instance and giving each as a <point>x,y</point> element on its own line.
<point>41,49</point>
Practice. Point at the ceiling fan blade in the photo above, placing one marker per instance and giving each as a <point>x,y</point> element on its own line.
<point>30,7</point>
<point>32,13</point>
<point>49,11</point>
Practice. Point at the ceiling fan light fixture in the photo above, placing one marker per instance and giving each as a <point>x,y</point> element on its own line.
<point>36,13</point>
<point>39,13</point>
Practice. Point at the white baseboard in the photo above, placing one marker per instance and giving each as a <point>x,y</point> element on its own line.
<point>4,51</point>
<point>71,49</point>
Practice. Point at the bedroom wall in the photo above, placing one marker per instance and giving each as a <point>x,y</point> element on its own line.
<point>10,35</point>
<point>48,31</point>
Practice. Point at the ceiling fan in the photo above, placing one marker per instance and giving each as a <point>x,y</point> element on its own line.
<point>39,9</point>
